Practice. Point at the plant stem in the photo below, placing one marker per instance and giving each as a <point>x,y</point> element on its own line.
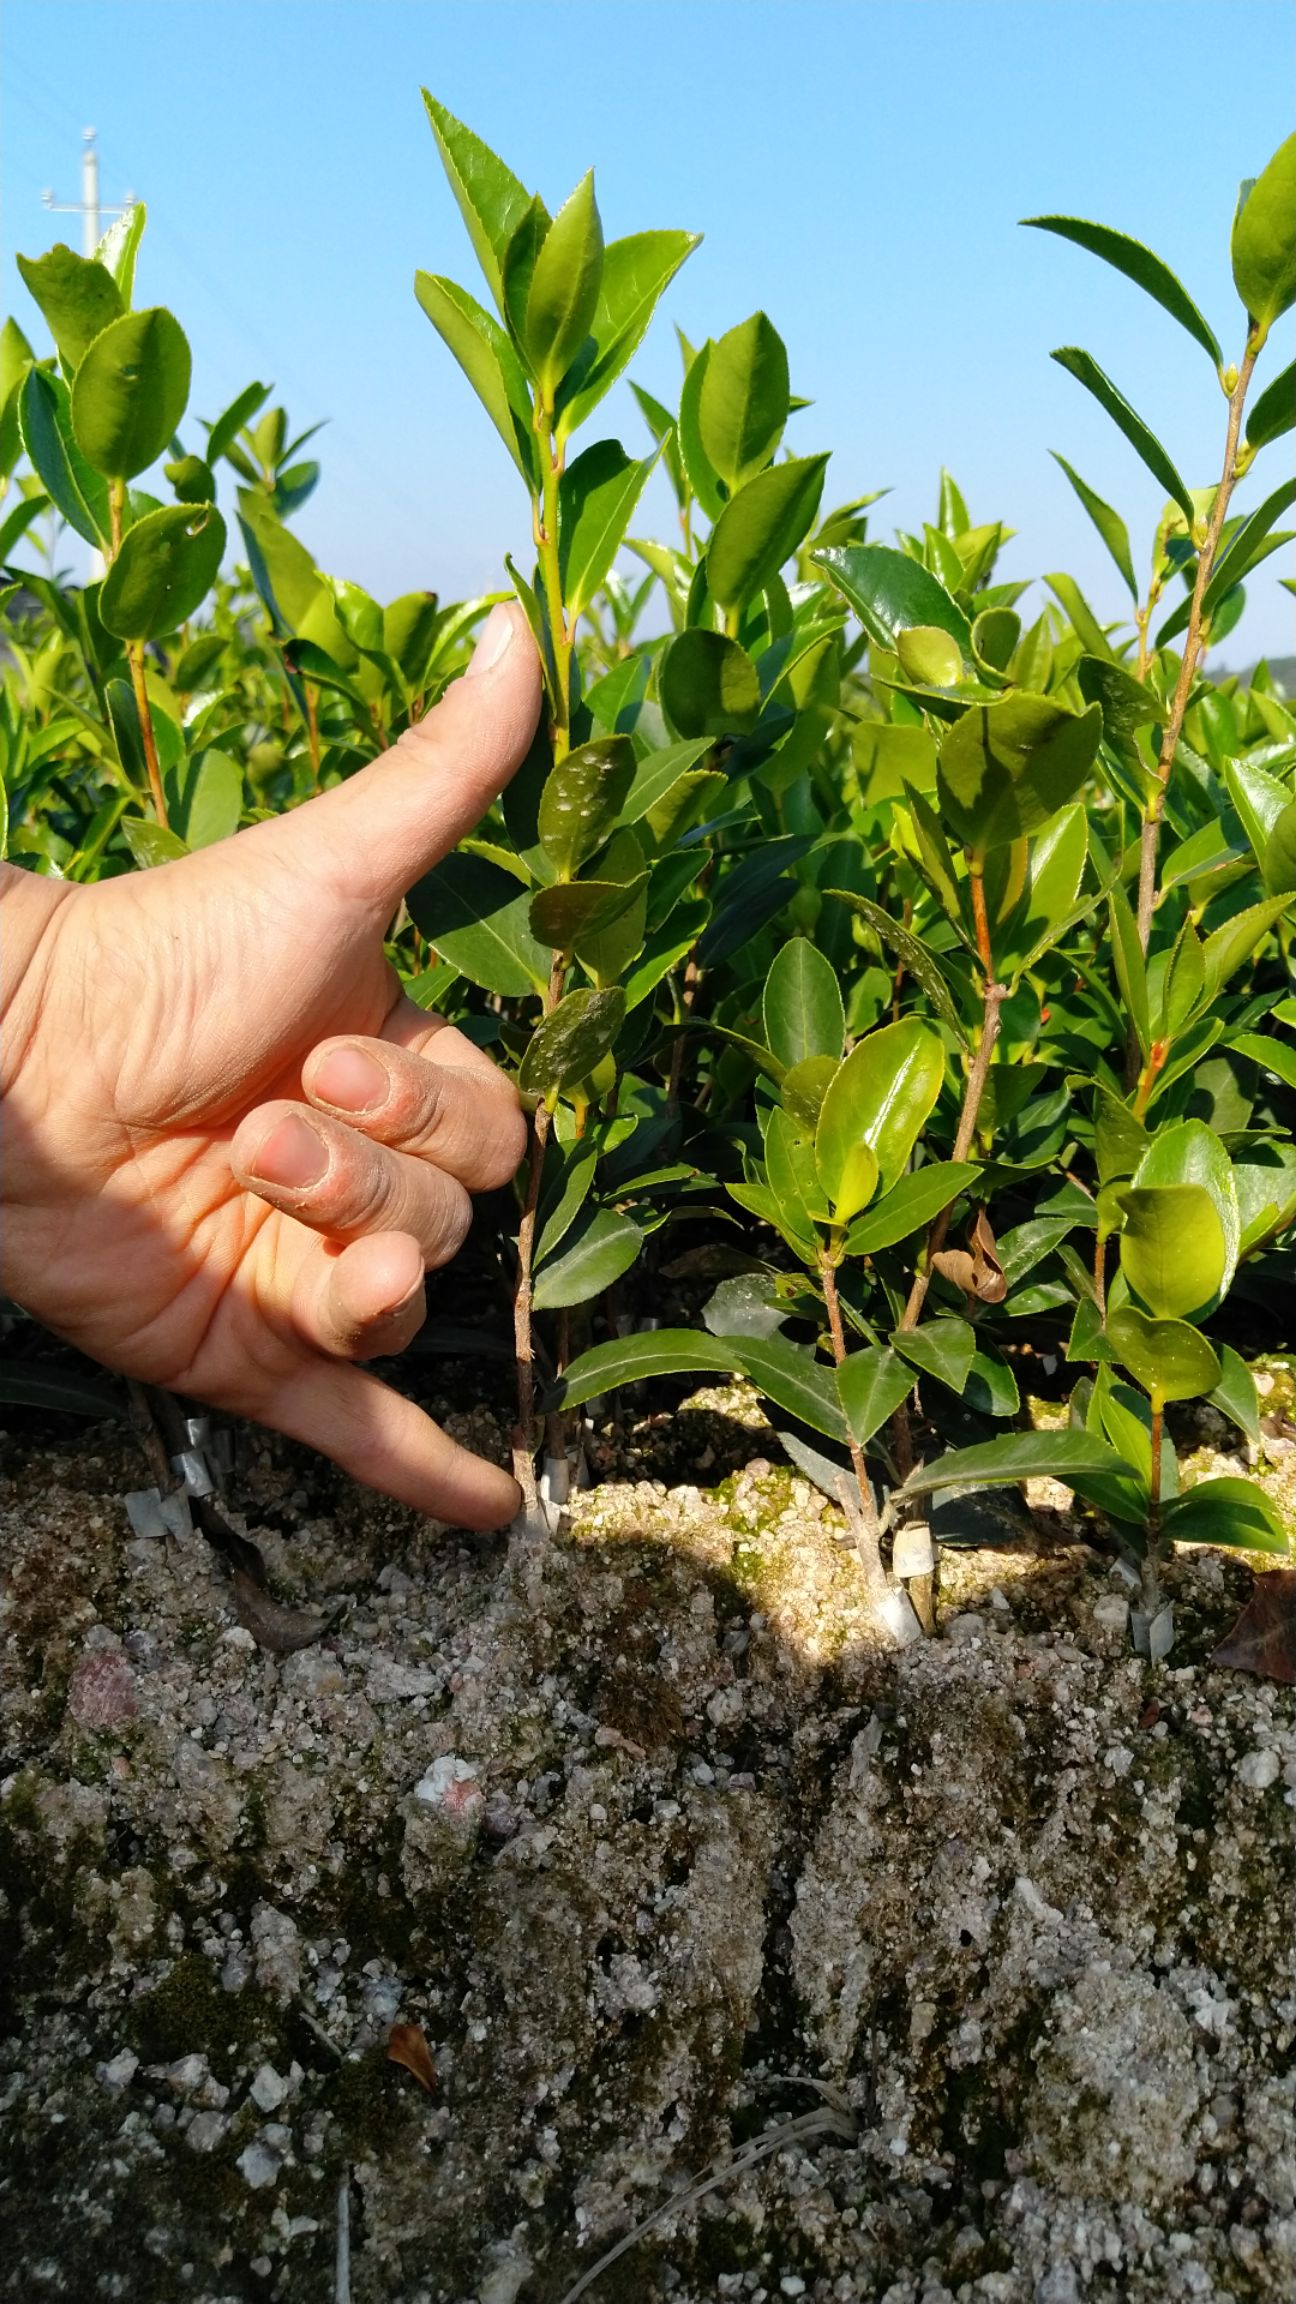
<point>692,978</point>
<point>523,1343</point>
<point>1192,647</point>
<point>992,1000</point>
<point>1151,1594</point>
<point>1149,1076</point>
<point>116,507</point>
<point>135,657</point>
<point>867,1533</point>
<point>545,530</point>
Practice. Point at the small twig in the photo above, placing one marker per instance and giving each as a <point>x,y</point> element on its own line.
<point>867,1534</point>
<point>992,1001</point>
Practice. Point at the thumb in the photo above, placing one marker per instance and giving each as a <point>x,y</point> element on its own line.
<point>375,835</point>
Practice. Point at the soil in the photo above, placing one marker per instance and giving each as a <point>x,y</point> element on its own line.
<point>986,1947</point>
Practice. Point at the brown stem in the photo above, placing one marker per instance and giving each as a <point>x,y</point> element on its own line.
<point>1100,1272</point>
<point>993,997</point>
<point>1149,1075</point>
<point>692,979</point>
<point>868,1541</point>
<point>523,1342</point>
<point>976,878</point>
<point>1151,1594</point>
<point>312,727</point>
<point>1192,646</point>
<point>135,657</point>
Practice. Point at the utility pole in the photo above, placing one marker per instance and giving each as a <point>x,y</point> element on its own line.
<point>88,207</point>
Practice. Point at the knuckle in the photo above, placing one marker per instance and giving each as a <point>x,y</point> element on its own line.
<point>448,1226</point>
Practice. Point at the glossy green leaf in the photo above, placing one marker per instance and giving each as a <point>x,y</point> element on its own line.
<point>991,1387</point>
<point>1172,1248</point>
<point>231,421</point>
<point>709,685</point>
<point>636,271</point>
<point>518,264</point>
<point>1273,411</point>
<point>890,593</point>
<point>929,656</point>
<point>167,564</point>
<point>690,801</point>
<point>1235,1394</point>
<point>569,912</point>
<point>875,1111</point>
<point>941,1348</point>
<point>1108,523</point>
<point>78,494</point>
<point>633,1359</point>
<point>596,500</point>
<point>1054,871</point>
<point>1131,968</point>
<point>1080,1459</point>
<point>703,478</point>
<point>130,392</point>
<point>1227,947</point>
<point>1182,983</point>
<point>152,844</point>
<point>871,1385</point>
<point>476,916</point>
<point>1189,1152</point>
<point>489,362</point>
<point>761,527</point>
<point>1277,1056</point>
<point>1086,371</point>
<point>802,1005</point>
<point>743,401</point>
<point>800,1386</point>
<point>77,296</point>
<point>1248,545</point>
<point>657,775</point>
<point>803,1089</point>
<point>192,479</point>
<point>1264,241</point>
<point>1232,1512</point>
<point>1006,767</point>
<point>582,799</point>
<point>600,1248</point>
<point>1258,798</point>
<point>995,634</point>
<point>910,951</point>
<point>1087,628</point>
<point>490,198</point>
<point>205,797</point>
<point>564,289</point>
<point>1266,1193</point>
<point>1140,265</point>
<point>910,1205</point>
<point>1168,1358</point>
<point>568,1042</point>
<point>568,1181</point>
<point>119,247</point>
<point>1126,704</point>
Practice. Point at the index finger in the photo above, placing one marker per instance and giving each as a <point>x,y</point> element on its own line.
<point>468,1123</point>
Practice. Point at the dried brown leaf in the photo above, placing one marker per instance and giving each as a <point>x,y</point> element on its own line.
<point>1263,1640</point>
<point>281,1630</point>
<point>407,2045</point>
<point>975,1269</point>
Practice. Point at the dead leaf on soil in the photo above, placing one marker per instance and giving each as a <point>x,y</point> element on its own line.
<point>1263,1640</point>
<point>281,1630</point>
<point>975,1269</point>
<point>407,2045</point>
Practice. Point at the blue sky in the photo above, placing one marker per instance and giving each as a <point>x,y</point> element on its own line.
<point>858,170</point>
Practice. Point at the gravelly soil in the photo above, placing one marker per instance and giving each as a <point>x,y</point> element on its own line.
<point>658,1851</point>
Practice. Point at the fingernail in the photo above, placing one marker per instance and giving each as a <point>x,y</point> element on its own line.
<point>494,637</point>
<point>292,1155</point>
<point>352,1080</point>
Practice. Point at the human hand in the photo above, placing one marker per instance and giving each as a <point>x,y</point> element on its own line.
<point>231,1144</point>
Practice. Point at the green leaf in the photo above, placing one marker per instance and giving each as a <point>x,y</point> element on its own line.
<point>489,362</point>
<point>1277,1056</point>
<point>77,296</point>
<point>1172,1248</point>
<point>871,1386</point>
<point>657,775</point>
<point>991,1387</point>
<point>1264,241</point>
<point>568,1042</point>
<point>193,481</point>
<point>636,271</point>
<point>912,953</point>
<point>1048,907</point>
<point>205,796</point>
<point>525,242</point>
<point>119,247</point>
<point>1232,1512</point>
<point>709,685</point>
<point>1131,968</point>
<point>1182,983</point>
<point>1075,1457</point>
<point>1249,544</point>
<point>633,1359</point>
<point>582,799</point>
<point>802,1005</point>
<point>1126,704</point>
<point>743,401</point>
<point>600,1248</point>
<point>1006,768</point>
<point>800,1386</point>
<point>572,910</point>
<point>150,843</point>
<point>1235,1394</point>
<point>167,564</point>
<point>1258,798</point>
<point>231,420</point>
<point>910,1205</point>
<point>491,200</point>
<point>875,1111</point>
<point>564,289</point>
<point>803,1089</point>
<point>45,425</point>
<point>1188,1152</point>
<point>1108,523</point>
<point>1087,628</point>
<point>890,593</point>
<point>940,1348</point>
<point>761,527</point>
<point>703,479</point>
<point>1140,265</point>
<point>33,1385</point>
<point>130,392</point>
<point>1086,371</point>
<point>596,498</point>
<point>1274,412</point>
<point>476,916</point>
<point>929,656</point>
<point>1228,947</point>
<point>1167,1357</point>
